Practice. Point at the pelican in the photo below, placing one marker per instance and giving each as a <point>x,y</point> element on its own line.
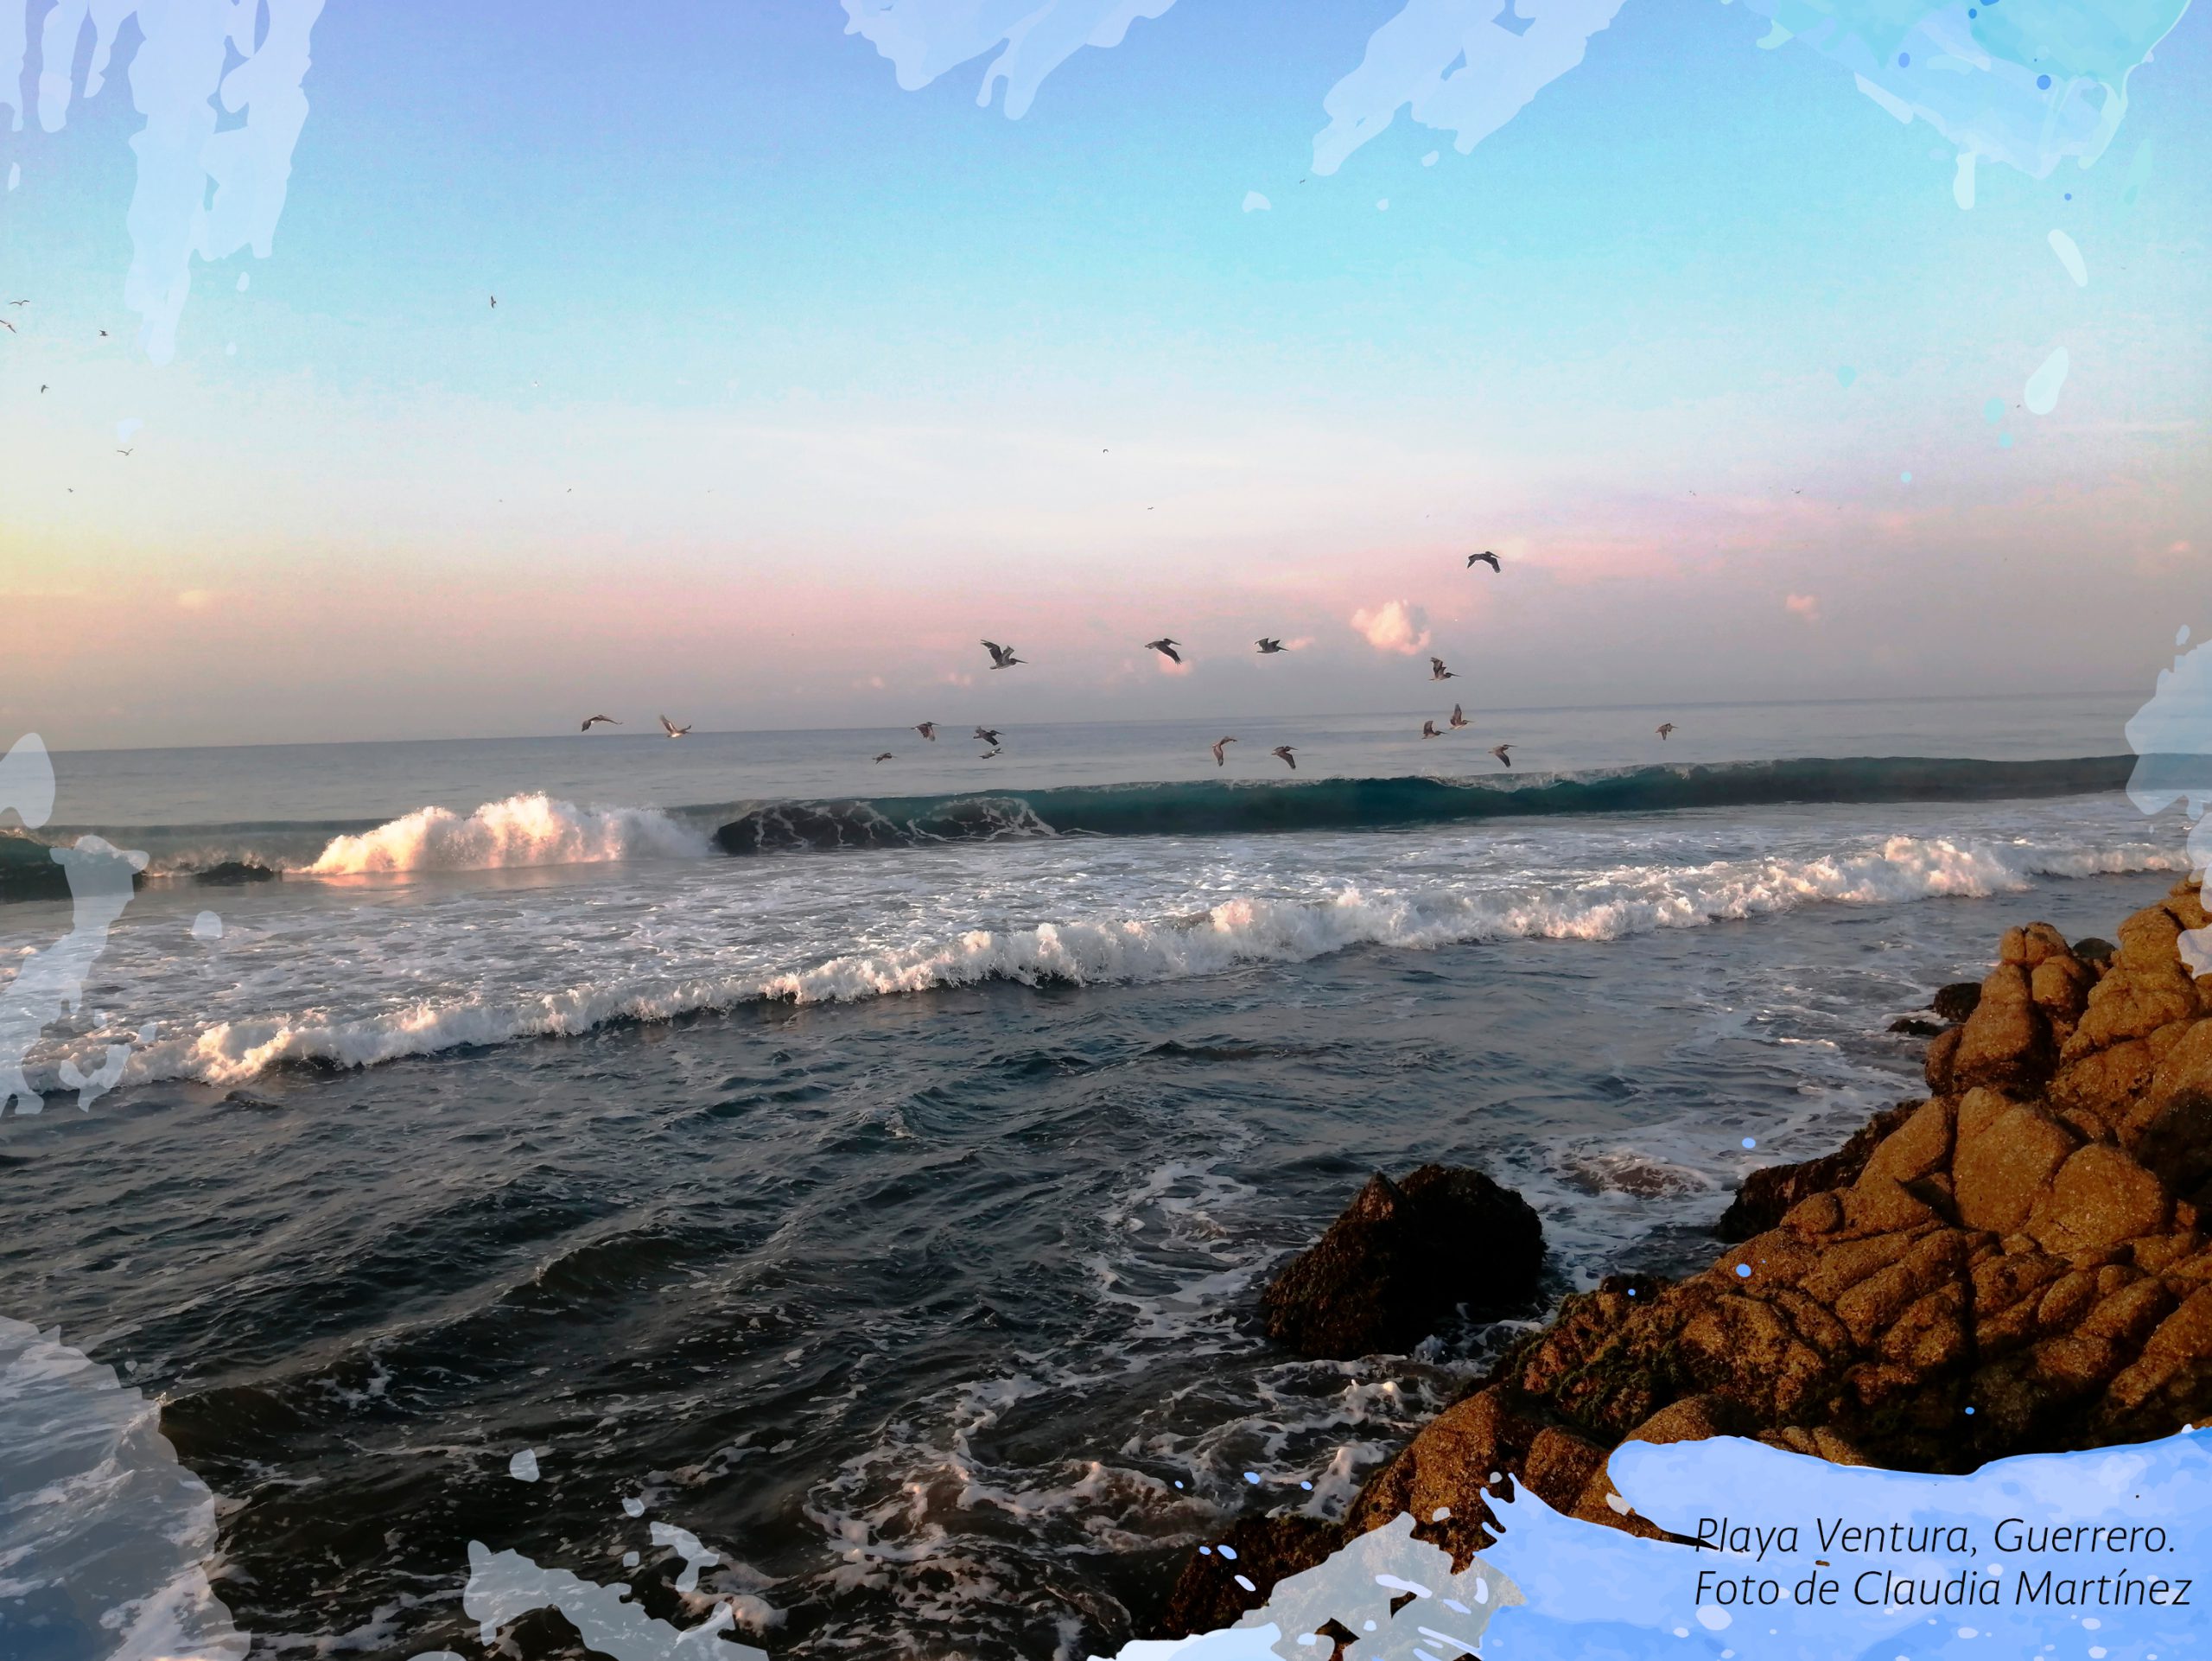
<point>1438,672</point>
<point>927,728</point>
<point>1288,754</point>
<point>1001,656</point>
<point>671,729</point>
<point>1486,558</point>
<point>5,324</point>
<point>886,756</point>
<point>988,735</point>
<point>1428,730</point>
<point>1268,647</point>
<point>1166,648</point>
<point>1221,751</point>
<point>1459,717</point>
<point>990,753</point>
<point>1499,751</point>
<point>1665,727</point>
<point>592,721</point>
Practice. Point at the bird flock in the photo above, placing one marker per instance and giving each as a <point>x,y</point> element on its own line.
<point>1004,656</point>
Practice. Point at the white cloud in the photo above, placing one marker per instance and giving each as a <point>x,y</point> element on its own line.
<point>1393,627</point>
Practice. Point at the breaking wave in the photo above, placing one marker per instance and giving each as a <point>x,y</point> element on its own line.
<point>532,830</point>
<point>1122,947</point>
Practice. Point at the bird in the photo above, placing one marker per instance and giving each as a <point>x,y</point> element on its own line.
<point>495,302</point>
<point>103,334</point>
<point>5,324</point>
<point>1428,730</point>
<point>126,452</point>
<point>1664,728</point>
<point>1499,751</point>
<point>671,729</point>
<point>1459,717</point>
<point>1269,646</point>
<point>1486,558</point>
<point>1438,672</point>
<point>1001,656</point>
<point>990,753</point>
<point>19,303</point>
<point>886,756</point>
<point>1221,751</point>
<point>927,728</point>
<point>1288,754</point>
<point>988,735</point>
<point>41,386</point>
<point>592,721</point>
<point>1166,648</point>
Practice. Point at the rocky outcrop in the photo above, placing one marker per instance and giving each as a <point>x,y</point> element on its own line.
<point>234,874</point>
<point>1402,1257</point>
<point>1767,1194</point>
<point>2014,1265</point>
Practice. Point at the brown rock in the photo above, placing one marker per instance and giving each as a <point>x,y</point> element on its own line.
<point>2060,987</point>
<point>1956,1001</point>
<point>1766,1195</point>
<point>1942,1055</point>
<point>1269,1548</point>
<point>2035,943</point>
<point>1401,1257</point>
<point>2006,1044</point>
<point>2169,1383</point>
<point>2171,1130</point>
<point>2003,1168</point>
<point>1921,1144</point>
<point>2099,1199</point>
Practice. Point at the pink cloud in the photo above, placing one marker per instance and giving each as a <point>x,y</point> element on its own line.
<point>1807,606</point>
<point>1392,627</point>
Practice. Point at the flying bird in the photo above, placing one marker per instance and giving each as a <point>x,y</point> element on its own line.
<point>126,452</point>
<point>495,302</point>
<point>927,728</point>
<point>886,756</point>
<point>989,753</point>
<point>1221,751</point>
<point>988,735</point>
<point>1499,751</point>
<point>5,324</point>
<point>671,729</point>
<point>1665,727</point>
<point>1459,717</point>
<point>19,303</point>
<point>1288,754</point>
<point>592,721</point>
<point>1268,647</point>
<point>41,386</point>
<point>1001,656</point>
<point>1486,558</point>
<point>1166,648</point>
<point>1438,672</point>
<point>103,334</point>
<point>1428,730</point>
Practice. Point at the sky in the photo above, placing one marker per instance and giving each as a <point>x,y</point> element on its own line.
<point>810,370</point>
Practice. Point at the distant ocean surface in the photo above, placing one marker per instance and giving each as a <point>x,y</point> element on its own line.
<point>872,1167</point>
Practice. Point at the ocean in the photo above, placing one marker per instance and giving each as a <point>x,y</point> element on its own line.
<point>884,1203</point>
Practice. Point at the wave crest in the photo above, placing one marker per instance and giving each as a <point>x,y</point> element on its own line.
<point>528,829</point>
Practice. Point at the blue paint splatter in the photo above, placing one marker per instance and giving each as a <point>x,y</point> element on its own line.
<point>1904,60</point>
<point>1252,1477</point>
<point>1750,1141</point>
<point>1905,478</point>
<point>1743,1271</point>
<point>1993,412</point>
<point>1846,375</point>
<point>2004,441</point>
<point>2043,83</point>
<point>1229,1552</point>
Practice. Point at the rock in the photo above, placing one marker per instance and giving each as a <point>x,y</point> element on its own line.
<point>2093,951</point>
<point>1956,1001</point>
<point>1206,1595</point>
<point>1401,1259</point>
<point>1941,1053</point>
<point>1766,1195</point>
<point>2027,1245</point>
<point>2006,1043</point>
<point>233,873</point>
<point>1913,1026</point>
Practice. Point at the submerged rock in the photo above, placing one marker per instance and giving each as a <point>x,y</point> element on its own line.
<point>234,873</point>
<point>2017,1265</point>
<point>1402,1257</point>
<point>1956,1001</point>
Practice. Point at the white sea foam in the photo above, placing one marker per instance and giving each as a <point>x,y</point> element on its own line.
<point>666,961</point>
<point>529,830</point>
